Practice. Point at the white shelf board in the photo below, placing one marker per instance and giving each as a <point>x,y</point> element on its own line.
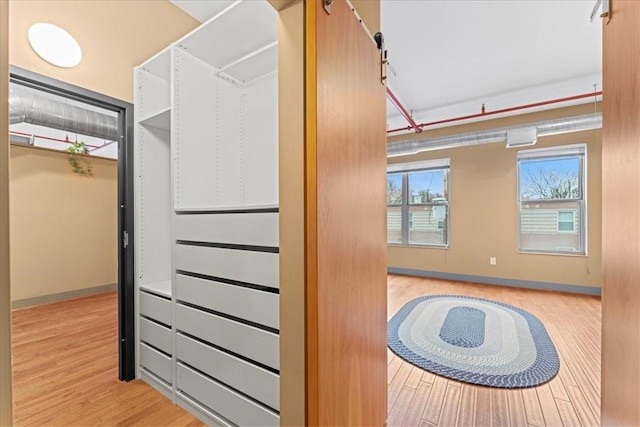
<point>261,64</point>
<point>159,65</point>
<point>160,120</point>
<point>225,208</point>
<point>160,288</point>
<point>242,29</point>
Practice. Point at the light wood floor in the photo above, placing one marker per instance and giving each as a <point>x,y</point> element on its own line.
<point>419,398</point>
<point>65,368</point>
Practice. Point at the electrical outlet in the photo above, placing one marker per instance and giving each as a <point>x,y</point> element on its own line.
<point>492,260</point>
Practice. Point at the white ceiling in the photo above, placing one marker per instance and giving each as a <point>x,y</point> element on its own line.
<point>451,56</point>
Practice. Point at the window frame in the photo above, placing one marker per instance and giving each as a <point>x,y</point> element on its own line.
<point>558,152</point>
<point>405,169</point>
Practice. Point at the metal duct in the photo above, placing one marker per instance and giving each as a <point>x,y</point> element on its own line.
<point>544,128</point>
<point>27,107</point>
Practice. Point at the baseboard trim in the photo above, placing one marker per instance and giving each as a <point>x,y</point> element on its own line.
<point>62,296</point>
<point>516,283</point>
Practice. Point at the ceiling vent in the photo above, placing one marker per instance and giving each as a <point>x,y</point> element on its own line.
<point>521,137</point>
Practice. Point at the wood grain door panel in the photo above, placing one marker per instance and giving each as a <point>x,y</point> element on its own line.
<point>346,221</point>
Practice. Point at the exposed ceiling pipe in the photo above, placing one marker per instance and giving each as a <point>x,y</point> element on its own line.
<point>26,107</point>
<point>395,101</point>
<point>33,136</point>
<point>484,113</point>
<point>544,128</point>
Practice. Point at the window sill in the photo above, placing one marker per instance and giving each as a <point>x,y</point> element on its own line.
<point>416,246</point>
<point>567,254</point>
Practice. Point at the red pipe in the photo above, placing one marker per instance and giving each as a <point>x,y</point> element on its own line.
<point>48,138</point>
<point>490,113</point>
<point>403,111</point>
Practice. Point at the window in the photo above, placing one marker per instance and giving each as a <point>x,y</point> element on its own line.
<point>566,221</point>
<point>418,203</point>
<point>552,199</point>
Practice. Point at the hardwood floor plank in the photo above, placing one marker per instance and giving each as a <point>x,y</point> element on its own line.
<point>415,376</point>
<point>392,368</point>
<point>532,407</point>
<point>548,405</point>
<point>467,410</point>
<point>418,404</point>
<point>449,414</point>
<point>436,400</point>
<point>483,407</point>
<point>567,413</point>
<point>582,408</point>
<point>401,406</point>
<point>557,389</point>
<point>517,414</point>
<point>499,408</point>
<point>428,377</point>
<point>398,383</point>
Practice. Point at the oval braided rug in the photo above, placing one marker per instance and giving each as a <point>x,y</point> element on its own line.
<point>474,340</point>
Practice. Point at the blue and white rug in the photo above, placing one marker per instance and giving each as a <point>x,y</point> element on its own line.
<point>474,340</point>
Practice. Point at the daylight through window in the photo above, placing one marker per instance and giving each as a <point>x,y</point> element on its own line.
<point>552,199</point>
<point>418,203</point>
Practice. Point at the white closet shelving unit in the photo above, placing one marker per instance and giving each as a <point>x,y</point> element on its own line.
<point>207,218</point>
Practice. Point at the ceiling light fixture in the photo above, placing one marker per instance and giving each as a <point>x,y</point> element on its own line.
<point>54,45</point>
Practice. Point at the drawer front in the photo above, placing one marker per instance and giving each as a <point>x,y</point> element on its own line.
<point>248,341</point>
<point>251,380</point>
<point>155,362</point>
<point>259,229</point>
<point>155,335</point>
<point>248,304</point>
<point>258,268</point>
<point>156,308</point>
<point>224,401</point>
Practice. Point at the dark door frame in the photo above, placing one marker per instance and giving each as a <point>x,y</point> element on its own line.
<point>126,323</point>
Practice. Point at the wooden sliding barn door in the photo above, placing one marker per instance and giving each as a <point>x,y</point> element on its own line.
<point>345,221</point>
<point>621,216</point>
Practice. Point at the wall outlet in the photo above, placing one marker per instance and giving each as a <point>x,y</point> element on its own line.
<point>492,260</point>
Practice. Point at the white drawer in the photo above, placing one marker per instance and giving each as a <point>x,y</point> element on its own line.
<point>155,362</point>
<point>156,335</point>
<point>156,308</point>
<point>252,343</point>
<point>252,380</point>
<point>259,268</point>
<point>259,229</point>
<point>249,304</point>
<point>224,401</point>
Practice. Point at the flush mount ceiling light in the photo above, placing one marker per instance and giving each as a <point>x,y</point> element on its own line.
<point>55,45</point>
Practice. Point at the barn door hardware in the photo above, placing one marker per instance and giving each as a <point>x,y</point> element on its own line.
<point>327,6</point>
<point>379,39</point>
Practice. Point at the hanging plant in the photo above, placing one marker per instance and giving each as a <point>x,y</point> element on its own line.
<point>80,164</point>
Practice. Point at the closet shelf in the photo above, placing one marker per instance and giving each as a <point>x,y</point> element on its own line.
<point>160,120</point>
<point>159,288</point>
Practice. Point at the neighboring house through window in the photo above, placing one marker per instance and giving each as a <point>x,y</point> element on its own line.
<point>418,203</point>
<point>552,199</point>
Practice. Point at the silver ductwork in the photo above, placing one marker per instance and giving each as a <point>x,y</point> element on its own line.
<point>27,107</point>
<point>544,128</point>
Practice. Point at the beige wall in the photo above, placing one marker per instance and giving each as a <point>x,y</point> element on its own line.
<point>114,36</point>
<point>63,226</point>
<point>484,211</point>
